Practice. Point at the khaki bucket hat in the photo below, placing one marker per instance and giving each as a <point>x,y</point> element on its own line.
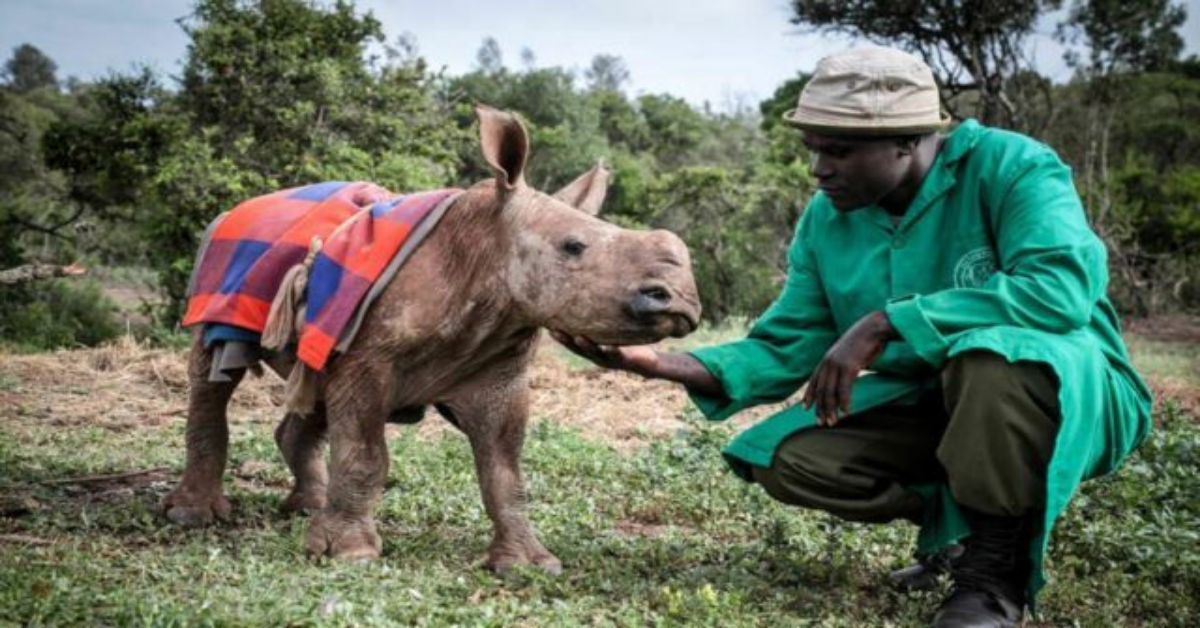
<point>870,91</point>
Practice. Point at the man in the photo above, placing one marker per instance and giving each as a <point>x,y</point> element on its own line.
<point>960,271</point>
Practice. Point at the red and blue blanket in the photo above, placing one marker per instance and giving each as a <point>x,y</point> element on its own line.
<point>248,250</point>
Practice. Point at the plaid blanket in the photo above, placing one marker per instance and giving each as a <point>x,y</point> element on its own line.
<point>247,251</point>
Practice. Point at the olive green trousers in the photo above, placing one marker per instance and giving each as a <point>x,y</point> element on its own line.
<point>989,433</point>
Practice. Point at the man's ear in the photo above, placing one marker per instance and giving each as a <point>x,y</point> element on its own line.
<point>908,144</point>
<point>505,145</point>
<point>586,193</point>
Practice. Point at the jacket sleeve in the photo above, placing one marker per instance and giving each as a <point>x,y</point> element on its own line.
<point>1051,273</point>
<point>782,347</point>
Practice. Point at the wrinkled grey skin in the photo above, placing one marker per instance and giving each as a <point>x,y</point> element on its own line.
<point>456,329</point>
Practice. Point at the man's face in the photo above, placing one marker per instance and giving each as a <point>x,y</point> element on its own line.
<point>856,172</point>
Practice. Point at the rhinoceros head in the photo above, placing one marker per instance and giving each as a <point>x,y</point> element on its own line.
<point>572,272</point>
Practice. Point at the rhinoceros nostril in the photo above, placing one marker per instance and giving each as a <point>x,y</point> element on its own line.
<point>650,300</point>
<point>655,293</point>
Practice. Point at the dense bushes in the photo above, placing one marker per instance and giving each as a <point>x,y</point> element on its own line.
<point>60,313</point>
<point>129,171</point>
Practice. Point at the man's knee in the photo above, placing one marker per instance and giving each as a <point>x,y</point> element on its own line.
<point>811,472</point>
<point>1003,424</point>
<point>982,385</point>
<point>799,471</point>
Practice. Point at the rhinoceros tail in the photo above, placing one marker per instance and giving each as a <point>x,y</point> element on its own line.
<point>287,310</point>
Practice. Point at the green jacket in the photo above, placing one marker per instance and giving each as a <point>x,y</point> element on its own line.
<point>994,254</point>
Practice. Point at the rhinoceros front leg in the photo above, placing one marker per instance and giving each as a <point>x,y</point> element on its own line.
<point>494,415</point>
<point>301,440</point>
<point>200,497</point>
<point>358,466</point>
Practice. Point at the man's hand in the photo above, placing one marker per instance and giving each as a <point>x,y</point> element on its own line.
<point>830,385</point>
<point>642,360</point>
<point>647,362</point>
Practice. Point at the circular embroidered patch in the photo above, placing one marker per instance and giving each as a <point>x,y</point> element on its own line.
<point>974,268</point>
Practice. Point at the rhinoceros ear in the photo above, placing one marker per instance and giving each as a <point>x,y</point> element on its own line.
<point>505,145</point>
<point>586,193</point>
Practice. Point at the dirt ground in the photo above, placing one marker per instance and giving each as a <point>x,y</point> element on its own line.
<point>125,385</point>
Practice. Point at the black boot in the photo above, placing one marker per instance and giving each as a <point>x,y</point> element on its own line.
<point>924,574</point>
<point>991,576</point>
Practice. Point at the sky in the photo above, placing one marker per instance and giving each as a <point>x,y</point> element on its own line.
<point>724,52</point>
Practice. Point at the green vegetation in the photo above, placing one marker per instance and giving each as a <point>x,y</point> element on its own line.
<point>126,171</point>
<point>61,314</point>
<point>658,536</point>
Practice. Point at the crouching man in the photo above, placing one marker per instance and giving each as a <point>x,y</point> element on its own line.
<point>958,269</point>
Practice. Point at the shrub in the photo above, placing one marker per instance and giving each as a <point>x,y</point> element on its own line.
<point>62,313</point>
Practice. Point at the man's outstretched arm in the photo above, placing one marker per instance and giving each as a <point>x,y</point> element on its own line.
<point>647,362</point>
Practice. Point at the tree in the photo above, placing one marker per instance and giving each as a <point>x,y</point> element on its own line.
<point>784,146</point>
<point>283,74</point>
<point>607,72</point>
<point>974,46</point>
<point>108,154</point>
<point>29,69</point>
<point>33,194</point>
<point>528,58</point>
<point>1121,42</point>
<point>273,94</point>
<point>489,57</point>
<point>1124,35</point>
<point>738,223</point>
<point>674,127</point>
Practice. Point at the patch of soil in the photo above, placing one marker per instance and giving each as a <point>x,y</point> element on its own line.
<point>1177,328</point>
<point>125,386</point>
<point>121,386</point>
<point>614,407</point>
<point>1186,396</point>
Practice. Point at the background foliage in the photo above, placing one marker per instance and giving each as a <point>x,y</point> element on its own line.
<point>126,171</point>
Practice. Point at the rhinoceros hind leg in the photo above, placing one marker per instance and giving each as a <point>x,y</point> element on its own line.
<point>301,440</point>
<point>358,466</point>
<point>199,497</point>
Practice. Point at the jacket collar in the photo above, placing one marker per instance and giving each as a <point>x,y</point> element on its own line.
<point>942,173</point>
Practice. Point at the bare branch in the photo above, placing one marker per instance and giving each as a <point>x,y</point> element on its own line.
<point>33,272</point>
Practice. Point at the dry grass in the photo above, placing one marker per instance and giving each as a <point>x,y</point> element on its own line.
<point>125,385</point>
<point>119,386</point>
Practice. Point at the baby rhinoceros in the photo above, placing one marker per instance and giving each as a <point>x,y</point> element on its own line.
<point>455,328</point>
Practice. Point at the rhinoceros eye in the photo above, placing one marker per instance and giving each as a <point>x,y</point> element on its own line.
<point>573,247</point>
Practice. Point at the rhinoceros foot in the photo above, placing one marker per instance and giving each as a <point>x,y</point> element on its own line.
<point>192,510</point>
<point>501,560</point>
<point>345,539</point>
<point>309,501</point>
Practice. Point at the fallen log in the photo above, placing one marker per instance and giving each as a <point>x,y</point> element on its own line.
<point>33,272</point>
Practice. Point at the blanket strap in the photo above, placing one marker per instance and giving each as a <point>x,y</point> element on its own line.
<point>287,310</point>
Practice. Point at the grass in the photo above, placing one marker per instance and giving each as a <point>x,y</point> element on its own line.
<point>1166,359</point>
<point>662,535</point>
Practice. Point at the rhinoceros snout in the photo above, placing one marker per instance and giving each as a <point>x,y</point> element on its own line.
<point>649,300</point>
<point>654,304</point>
